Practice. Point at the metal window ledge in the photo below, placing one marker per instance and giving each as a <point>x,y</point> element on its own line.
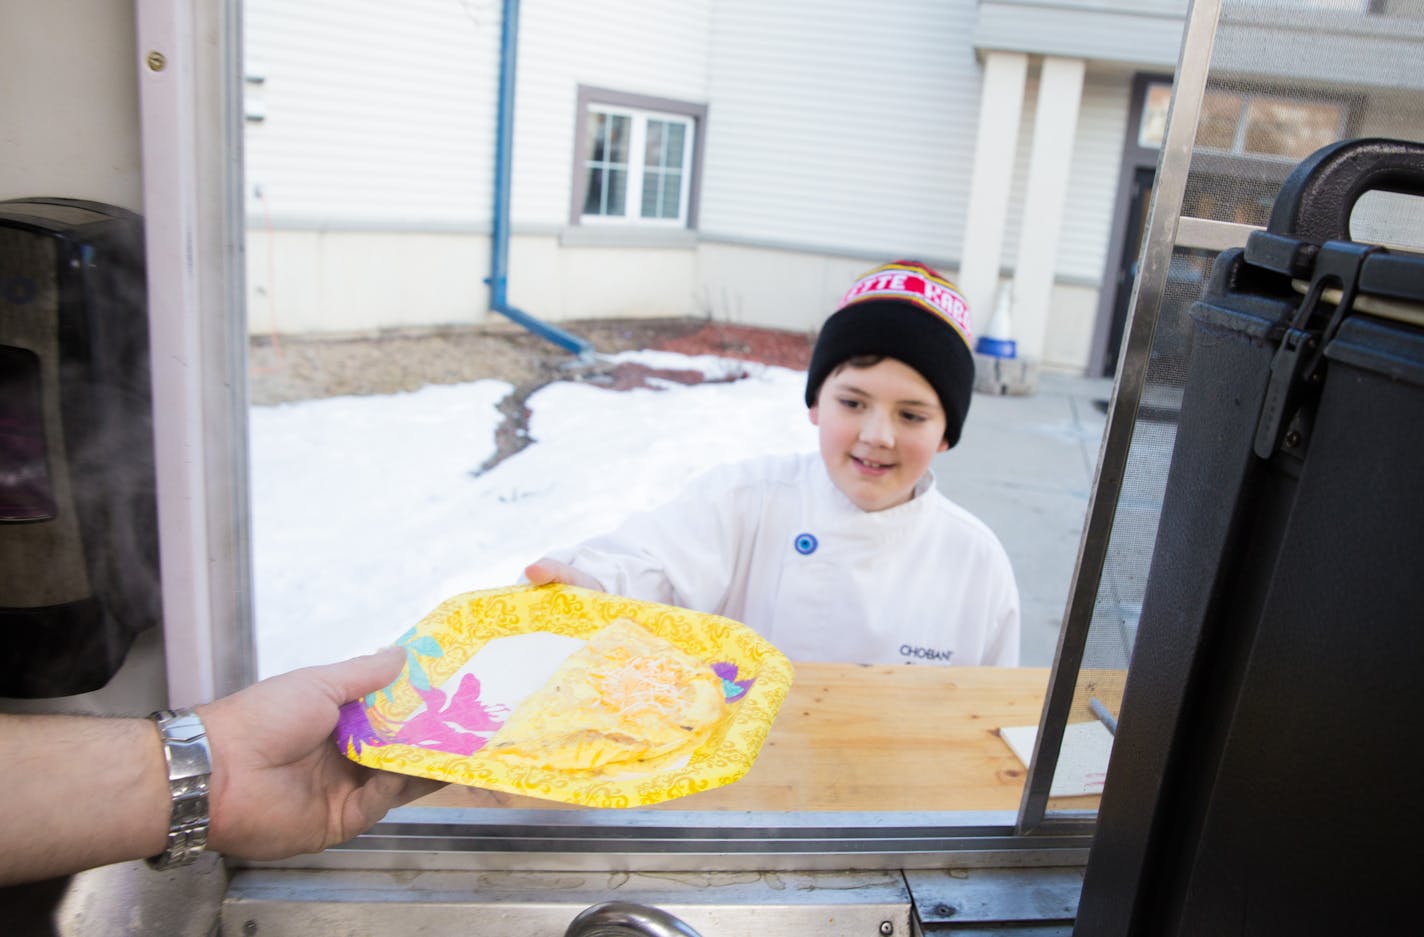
<point>268,903</point>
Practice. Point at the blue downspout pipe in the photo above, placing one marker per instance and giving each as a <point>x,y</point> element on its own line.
<point>498,279</point>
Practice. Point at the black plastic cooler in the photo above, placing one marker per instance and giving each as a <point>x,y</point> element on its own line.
<point>79,575</point>
<point>1266,775</point>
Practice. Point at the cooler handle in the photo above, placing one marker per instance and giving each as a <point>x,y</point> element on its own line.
<point>1315,201</point>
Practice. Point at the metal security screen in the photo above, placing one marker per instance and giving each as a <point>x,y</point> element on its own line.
<point>1268,85</point>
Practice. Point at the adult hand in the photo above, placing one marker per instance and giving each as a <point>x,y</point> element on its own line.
<point>279,785</point>
<point>545,570</point>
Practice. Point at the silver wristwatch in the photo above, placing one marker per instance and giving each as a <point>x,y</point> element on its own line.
<point>190,762</point>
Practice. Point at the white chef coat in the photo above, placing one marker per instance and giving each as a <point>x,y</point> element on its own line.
<point>771,542</point>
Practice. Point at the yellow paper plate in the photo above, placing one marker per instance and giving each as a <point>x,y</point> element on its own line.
<point>471,661</point>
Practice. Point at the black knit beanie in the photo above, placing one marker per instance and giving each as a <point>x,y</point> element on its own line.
<point>907,311</point>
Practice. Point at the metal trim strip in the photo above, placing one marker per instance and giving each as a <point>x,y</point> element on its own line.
<point>1162,223</point>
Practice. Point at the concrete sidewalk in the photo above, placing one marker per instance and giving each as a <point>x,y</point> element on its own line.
<point>1025,465</point>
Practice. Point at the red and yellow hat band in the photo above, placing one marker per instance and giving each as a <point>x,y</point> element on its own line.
<point>914,283</point>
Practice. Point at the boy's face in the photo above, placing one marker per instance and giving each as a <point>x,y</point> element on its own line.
<point>879,426</point>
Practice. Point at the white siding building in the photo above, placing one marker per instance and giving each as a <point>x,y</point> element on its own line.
<point>778,149</point>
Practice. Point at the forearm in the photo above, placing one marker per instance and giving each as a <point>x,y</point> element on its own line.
<point>678,555</point>
<point>83,791</point>
<point>78,792</point>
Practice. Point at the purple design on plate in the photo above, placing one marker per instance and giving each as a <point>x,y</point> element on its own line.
<point>733,688</point>
<point>354,729</point>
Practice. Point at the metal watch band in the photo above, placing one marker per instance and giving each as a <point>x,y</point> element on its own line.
<point>190,762</point>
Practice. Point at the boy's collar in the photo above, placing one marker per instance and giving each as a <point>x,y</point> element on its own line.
<point>925,483</point>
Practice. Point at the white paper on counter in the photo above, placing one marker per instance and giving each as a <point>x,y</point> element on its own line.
<point>1082,762</point>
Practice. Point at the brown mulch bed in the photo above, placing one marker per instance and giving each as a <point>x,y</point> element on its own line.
<point>767,346</point>
<point>282,369</point>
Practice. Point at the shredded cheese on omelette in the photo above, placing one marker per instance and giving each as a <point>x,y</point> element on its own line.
<point>627,698</point>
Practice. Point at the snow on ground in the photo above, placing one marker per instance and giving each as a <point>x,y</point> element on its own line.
<point>367,511</point>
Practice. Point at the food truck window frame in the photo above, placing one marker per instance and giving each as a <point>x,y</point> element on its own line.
<point>194,184</point>
<point>1163,230</point>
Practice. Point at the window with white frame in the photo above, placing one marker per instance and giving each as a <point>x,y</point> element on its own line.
<point>637,161</point>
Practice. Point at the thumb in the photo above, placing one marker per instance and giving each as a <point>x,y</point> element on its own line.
<point>354,678</point>
<point>540,572</point>
<point>546,570</point>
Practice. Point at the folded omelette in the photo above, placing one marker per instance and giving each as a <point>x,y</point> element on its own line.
<point>627,698</point>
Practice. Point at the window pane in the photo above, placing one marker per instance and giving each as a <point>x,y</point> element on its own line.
<point>597,134</point>
<point>1267,125</point>
<point>1153,125</point>
<point>1278,127</point>
<point>653,145</point>
<point>661,194</point>
<point>593,200</point>
<point>1220,113</point>
<point>617,193</point>
<point>662,169</point>
<point>618,139</point>
<point>664,146</point>
<point>607,164</point>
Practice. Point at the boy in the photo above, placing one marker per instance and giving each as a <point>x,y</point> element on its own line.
<point>849,554</point>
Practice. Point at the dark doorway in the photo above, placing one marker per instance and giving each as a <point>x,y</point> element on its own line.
<point>1139,198</point>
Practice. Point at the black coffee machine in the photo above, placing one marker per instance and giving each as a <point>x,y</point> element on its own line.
<point>79,575</point>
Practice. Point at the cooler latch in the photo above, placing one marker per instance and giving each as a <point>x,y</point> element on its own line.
<point>1299,360</point>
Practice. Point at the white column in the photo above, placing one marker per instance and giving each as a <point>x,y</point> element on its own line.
<point>1060,94</point>
<point>1000,109</point>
